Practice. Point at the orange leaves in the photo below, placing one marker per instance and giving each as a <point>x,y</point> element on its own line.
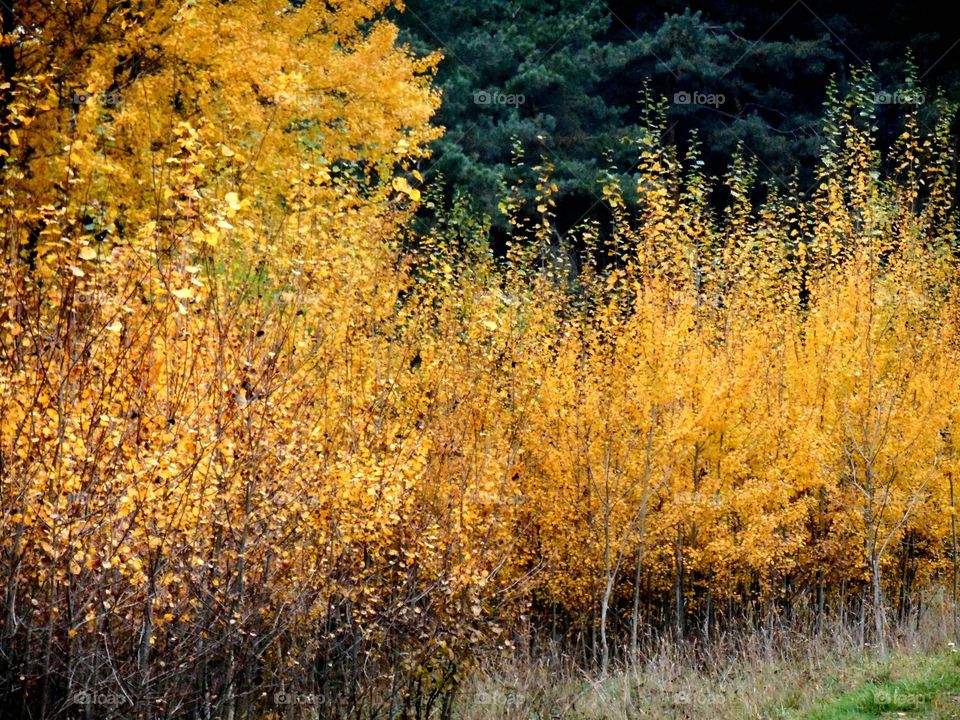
<point>237,403</point>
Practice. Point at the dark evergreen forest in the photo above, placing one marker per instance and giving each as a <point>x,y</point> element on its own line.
<point>562,82</point>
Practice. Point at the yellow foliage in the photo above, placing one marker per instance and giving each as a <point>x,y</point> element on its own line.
<point>244,428</point>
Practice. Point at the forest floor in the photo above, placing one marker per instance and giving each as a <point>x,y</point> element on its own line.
<point>748,679</point>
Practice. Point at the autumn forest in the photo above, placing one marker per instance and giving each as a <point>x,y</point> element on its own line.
<point>285,415</point>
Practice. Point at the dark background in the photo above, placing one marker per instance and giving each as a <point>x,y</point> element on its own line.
<point>581,66</point>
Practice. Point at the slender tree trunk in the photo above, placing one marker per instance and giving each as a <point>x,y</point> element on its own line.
<point>635,611</point>
<point>877,604</point>
<point>678,586</point>
<point>843,602</point>
<point>953,547</point>
<point>604,607</point>
<point>861,619</point>
<point>609,571</point>
<point>706,615</point>
<point>641,532</point>
<point>821,601</point>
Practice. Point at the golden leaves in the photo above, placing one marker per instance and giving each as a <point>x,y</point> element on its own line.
<point>400,184</point>
<point>263,392</point>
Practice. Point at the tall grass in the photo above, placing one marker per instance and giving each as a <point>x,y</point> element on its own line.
<point>777,670</point>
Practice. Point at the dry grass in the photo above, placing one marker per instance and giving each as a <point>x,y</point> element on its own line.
<point>761,674</point>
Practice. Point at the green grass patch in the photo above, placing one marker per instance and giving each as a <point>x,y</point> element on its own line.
<point>926,688</point>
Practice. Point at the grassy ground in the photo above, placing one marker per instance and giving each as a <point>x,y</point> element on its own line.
<point>789,677</point>
<point>903,685</point>
<point>910,687</point>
